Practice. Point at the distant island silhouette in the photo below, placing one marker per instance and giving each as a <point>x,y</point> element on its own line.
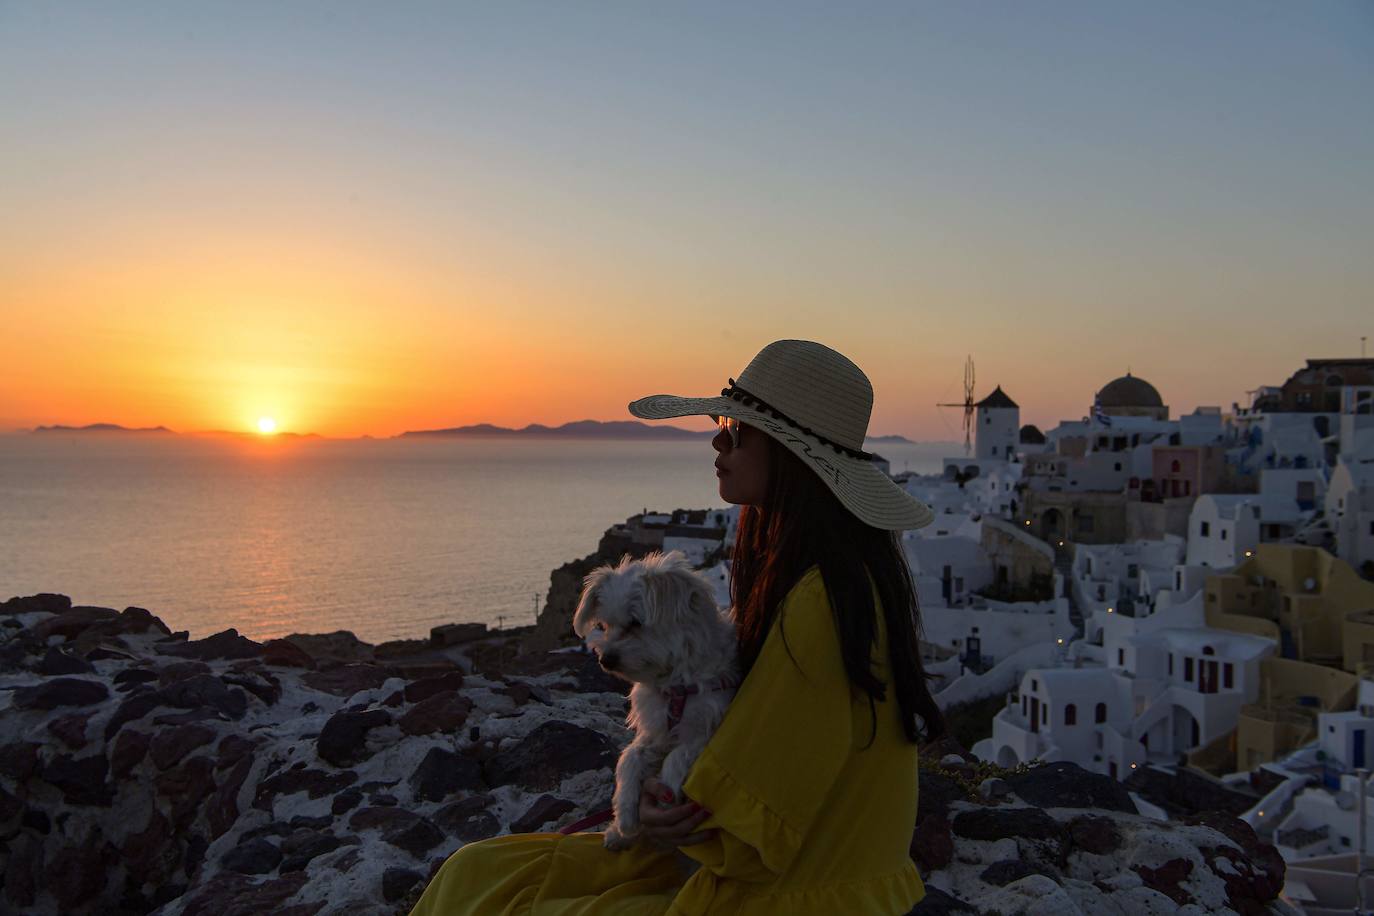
<point>579,429</point>
<point>102,428</point>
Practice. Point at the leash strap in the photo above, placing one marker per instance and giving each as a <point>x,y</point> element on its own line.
<point>588,822</point>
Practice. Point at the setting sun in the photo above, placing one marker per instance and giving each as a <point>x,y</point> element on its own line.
<point>267,425</point>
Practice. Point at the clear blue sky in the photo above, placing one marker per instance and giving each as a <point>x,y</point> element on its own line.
<point>639,197</point>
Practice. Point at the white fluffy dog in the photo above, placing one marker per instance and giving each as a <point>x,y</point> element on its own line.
<point>654,622</point>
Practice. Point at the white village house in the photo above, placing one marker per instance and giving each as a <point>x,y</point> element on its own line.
<point>1158,687</point>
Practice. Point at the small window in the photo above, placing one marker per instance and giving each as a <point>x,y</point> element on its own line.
<point>1188,668</point>
<point>1208,650</point>
<point>1116,466</point>
<point>1204,528</point>
<point>1132,571</point>
<point>1101,713</point>
<point>1035,685</point>
<point>1171,664</point>
<point>1121,657</point>
<point>1227,675</point>
<point>1045,714</point>
<point>1175,467</point>
<point>1223,534</point>
<point>1071,714</point>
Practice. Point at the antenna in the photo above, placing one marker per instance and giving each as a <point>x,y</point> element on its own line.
<point>967,405</point>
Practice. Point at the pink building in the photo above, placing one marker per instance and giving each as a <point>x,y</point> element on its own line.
<point>1182,471</point>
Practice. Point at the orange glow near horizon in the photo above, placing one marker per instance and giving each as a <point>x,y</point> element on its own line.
<point>356,336</point>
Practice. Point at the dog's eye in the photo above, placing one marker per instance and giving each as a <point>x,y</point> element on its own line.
<point>633,625</point>
<point>599,625</point>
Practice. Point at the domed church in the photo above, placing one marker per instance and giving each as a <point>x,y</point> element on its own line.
<point>1130,396</point>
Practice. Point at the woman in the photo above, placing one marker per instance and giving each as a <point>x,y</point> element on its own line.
<point>805,798</point>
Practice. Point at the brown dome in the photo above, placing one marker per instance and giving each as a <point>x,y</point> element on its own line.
<point>1129,391</point>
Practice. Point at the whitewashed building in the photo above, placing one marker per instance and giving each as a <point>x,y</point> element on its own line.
<point>947,570</point>
<point>1157,687</point>
<point>1349,509</point>
<point>1323,819</point>
<point>984,632</point>
<point>1357,423</point>
<point>1122,576</point>
<point>997,419</point>
<point>1223,529</point>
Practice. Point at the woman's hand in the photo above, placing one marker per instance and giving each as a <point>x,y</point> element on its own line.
<point>670,826</point>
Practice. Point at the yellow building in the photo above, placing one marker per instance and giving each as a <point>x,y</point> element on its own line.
<point>1321,613</point>
<point>1312,603</point>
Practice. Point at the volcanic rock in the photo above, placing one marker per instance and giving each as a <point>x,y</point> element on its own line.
<point>441,773</point>
<point>61,691</point>
<point>442,712</point>
<point>548,755</point>
<point>59,661</point>
<point>343,741</point>
<point>1065,785</point>
<point>545,808</point>
<point>225,644</point>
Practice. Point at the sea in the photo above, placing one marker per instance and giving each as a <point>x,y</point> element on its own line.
<point>383,537</point>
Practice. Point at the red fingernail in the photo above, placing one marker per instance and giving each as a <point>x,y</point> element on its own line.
<point>667,796</point>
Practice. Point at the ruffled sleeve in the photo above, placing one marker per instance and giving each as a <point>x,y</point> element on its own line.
<point>771,764</point>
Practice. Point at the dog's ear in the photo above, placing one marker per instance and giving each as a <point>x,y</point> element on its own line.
<point>672,590</point>
<point>586,607</point>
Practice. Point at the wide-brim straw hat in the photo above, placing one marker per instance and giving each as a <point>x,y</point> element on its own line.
<point>817,403</point>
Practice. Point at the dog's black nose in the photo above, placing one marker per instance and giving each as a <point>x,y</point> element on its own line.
<point>610,661</point>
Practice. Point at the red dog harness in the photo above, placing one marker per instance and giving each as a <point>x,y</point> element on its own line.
<point>677,697</point>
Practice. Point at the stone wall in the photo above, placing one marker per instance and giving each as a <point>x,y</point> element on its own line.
<point>143,772</point>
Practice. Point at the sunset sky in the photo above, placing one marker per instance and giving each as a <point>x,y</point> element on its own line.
<point>363,218</point>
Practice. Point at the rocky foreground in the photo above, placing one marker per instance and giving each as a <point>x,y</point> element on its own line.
<point>141,771</point>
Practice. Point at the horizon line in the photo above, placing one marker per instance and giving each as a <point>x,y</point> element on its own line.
<point>470,429</point>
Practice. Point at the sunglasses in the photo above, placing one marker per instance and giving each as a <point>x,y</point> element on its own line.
<point>732,427</point>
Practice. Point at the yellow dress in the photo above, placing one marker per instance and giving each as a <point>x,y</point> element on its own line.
<point>806,819</point>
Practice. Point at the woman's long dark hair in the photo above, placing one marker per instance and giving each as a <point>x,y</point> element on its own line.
<point>803,524</point>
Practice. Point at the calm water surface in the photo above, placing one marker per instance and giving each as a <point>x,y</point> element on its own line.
<point>382,537</point>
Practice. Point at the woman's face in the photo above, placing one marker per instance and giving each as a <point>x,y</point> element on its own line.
<point>742,471</point>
